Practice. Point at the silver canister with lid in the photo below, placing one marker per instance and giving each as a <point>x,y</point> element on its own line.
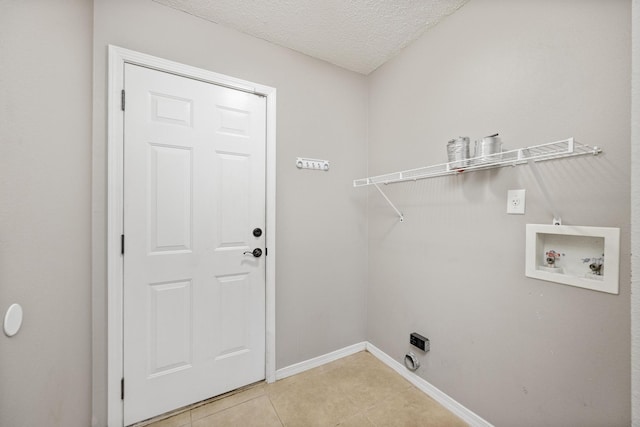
<point>488,149</point>
<point>458,152</point>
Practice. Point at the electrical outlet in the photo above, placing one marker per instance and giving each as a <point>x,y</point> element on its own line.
<point>515,202</point>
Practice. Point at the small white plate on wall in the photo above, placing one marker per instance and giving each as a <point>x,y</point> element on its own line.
<point>13,320</point>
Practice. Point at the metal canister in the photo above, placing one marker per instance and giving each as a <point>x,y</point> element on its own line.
<point>488,149</point>
<point>458,152</point>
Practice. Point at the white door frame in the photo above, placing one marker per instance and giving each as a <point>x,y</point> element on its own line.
<point>115,139</point>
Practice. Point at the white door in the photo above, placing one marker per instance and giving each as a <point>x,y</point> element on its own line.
<point>194,191</point>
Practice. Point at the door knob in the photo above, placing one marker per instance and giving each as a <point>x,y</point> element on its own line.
<point>257,252</point>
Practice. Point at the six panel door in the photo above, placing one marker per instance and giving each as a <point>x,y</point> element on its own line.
<point>194,190</point>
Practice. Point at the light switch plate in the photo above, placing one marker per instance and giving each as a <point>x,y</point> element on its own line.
<point>515,202</point>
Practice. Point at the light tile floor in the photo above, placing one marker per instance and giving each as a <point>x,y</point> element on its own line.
<point>355,391</point>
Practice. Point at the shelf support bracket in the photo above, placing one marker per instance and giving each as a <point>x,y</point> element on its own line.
<point>557,220</point>
<point>389,201</point>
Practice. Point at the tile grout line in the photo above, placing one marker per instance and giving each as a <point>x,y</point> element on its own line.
<point>275,410</point>
<point>189,408</point>
<point>229,407</point>
<point>371,422</point>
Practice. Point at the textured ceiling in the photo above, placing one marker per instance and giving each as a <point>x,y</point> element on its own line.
<point>359,35</point>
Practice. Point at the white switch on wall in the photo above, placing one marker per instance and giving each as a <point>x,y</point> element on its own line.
<point>515,202</point>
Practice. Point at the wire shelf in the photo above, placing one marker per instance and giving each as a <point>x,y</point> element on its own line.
<point>537,153</point>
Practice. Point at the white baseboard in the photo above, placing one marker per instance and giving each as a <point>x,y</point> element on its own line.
<point>420,383</point>
<point>320,360</point>
<point>439,396</point>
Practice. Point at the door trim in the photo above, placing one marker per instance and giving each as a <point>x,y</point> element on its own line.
<point>115,139</point>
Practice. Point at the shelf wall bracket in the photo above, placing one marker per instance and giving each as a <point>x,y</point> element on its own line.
<point>557,220</point>
<point>390,203</point>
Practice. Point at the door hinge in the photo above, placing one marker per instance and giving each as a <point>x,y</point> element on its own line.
<point>122,99</point>
<point>122,389</point>
<point>122,244</point>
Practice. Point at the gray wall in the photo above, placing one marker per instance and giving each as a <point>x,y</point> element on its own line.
<point>45,202</point>
<point>517,351</point>
<point>321,222</point>
<point>635,214</point>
